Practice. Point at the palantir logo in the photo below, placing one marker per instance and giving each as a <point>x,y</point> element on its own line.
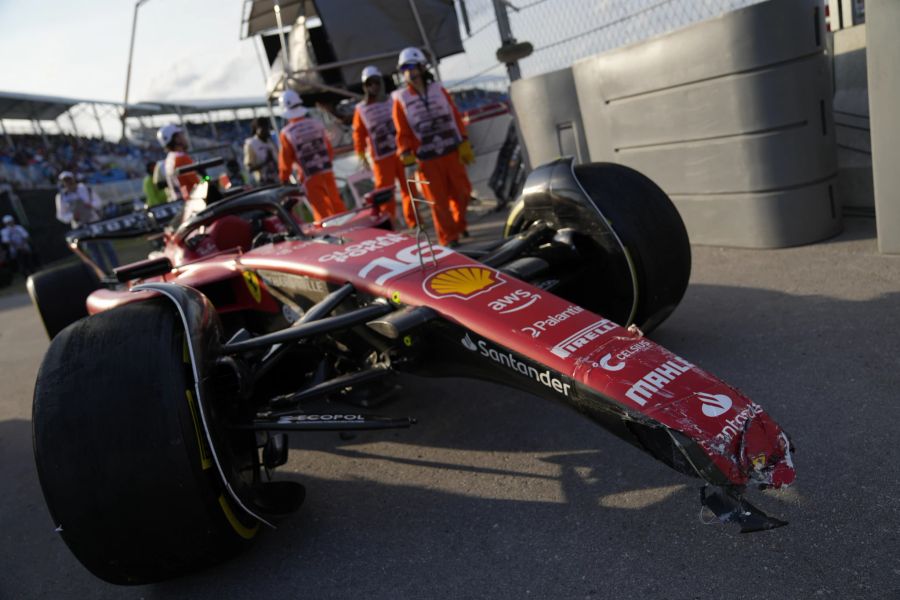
<point>714,405</point>
<point>469,344</point>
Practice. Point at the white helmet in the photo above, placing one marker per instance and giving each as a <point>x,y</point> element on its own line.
<point>411,55</point>
<point>166,133</point>
<point>66,175</point>
<point>8,220</point>
<point>369,72</point>
<point>292,105</point>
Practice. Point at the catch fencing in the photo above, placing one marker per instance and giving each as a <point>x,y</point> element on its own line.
<point>563,31</point>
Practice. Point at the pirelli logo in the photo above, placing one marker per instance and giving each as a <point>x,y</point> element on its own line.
<point>582,338</point>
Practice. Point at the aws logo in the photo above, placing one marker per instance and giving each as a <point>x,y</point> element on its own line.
<point>514,302</point>
<point>714,405</point>
<point>462,282</point>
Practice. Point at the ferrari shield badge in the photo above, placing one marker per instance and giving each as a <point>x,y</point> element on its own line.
<point>252,282</point>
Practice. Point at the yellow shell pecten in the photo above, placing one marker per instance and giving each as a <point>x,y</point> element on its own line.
<point>462,281</point>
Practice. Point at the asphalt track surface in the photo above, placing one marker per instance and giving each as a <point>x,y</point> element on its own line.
<point>499,494</point>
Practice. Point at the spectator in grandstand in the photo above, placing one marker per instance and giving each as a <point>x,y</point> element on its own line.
<point>77,205</point>
<point>373,129</point>
<point>171,137</point>
<point>35,160</point>
<point>431,132</point>
<point>305,145</point>
<point>18,246</point>
<point>260,154</point>
<point>153,193</point>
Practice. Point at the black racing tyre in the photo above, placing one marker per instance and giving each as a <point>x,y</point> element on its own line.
<point>650,228</point>
<point>122,459</point>
<point>647,222</point>
<point>59,294</point>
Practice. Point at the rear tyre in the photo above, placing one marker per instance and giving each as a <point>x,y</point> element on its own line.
<point>121,455</point>
<point>60,293</point>
<point>650,228</point>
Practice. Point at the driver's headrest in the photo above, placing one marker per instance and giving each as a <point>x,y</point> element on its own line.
<point>231,231</point>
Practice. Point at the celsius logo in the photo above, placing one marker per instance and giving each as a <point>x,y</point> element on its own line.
<point>714,405</point>
<point>469,344</point>
<point>604,362</point>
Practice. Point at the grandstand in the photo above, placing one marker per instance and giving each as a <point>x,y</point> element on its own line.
<point>41,138</point>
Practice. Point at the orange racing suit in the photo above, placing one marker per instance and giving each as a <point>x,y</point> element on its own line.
<point>304,143</point>
<point>431,127</point>
<point>373,128</point>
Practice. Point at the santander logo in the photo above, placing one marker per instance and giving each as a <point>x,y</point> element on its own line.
<point>468,343</point>
<point>714,405</point>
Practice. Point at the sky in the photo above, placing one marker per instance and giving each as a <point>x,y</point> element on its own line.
<point>183,49</point>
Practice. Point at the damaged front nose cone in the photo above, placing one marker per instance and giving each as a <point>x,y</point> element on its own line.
<point>729,507</point>
<point>767,462</point>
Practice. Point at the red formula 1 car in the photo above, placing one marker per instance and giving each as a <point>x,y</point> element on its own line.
<point>154,416</point>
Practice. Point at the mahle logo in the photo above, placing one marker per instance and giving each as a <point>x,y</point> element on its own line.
<point>462,282</point>
<point>714,405</point>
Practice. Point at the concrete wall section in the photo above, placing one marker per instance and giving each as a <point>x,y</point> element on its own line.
<point>732,117</point>
<point>883,23</point>
<point>851,118</point>
<point>759,219</point>
<point>548,117</point>
<point>770,123</point>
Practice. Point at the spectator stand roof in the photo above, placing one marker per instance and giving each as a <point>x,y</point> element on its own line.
<point>190,107</point>
<point>30,107</point>
<point>36,108</point>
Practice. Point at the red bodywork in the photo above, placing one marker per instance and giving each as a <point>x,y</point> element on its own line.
<point>646,382</point>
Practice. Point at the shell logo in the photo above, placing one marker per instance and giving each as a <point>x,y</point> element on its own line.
<point>462,282</point>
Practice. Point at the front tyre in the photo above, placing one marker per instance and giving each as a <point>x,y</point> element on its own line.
<point>121,455</point>
<point>643,264</point>
<point>649,226</point>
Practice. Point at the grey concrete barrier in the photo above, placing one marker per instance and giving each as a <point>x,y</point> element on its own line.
<point>883,23</point>
<point>732,117</point>
<point>851,118</point>
<point>548,117</point>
